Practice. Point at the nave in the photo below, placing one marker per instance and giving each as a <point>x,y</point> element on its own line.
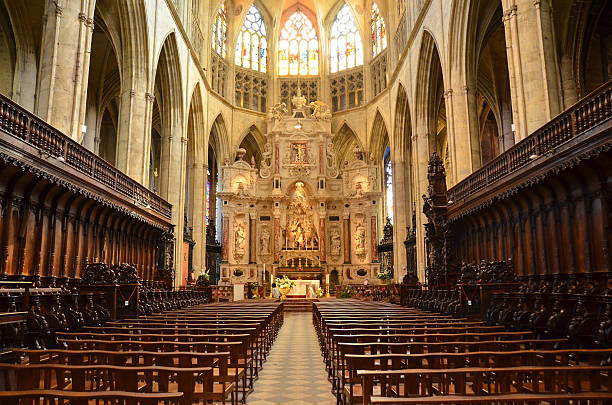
<point>251,352</point>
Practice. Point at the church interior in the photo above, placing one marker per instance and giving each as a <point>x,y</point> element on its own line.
<point>305,202</point>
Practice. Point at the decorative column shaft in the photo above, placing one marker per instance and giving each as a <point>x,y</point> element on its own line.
<point>252,238</point>
<point>225,251</point>
<point>347,239</point>
<point>374,238</point>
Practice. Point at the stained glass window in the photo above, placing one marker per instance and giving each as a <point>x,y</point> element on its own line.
<point>388,183</point>
<point>346,48</point>
<point>252,46</point>
<point>379,31</point>
<point>298,47</point>
<point>219,32</point>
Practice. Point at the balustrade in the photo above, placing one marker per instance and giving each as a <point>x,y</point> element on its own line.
<point>578,119</point>
<point>25,126</point>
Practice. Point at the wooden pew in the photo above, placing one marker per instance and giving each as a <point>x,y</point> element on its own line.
<point>220,386</point>
<point>41,397</point>
<point>106,377</point>
<point>485,381</point>
<point>592,398</point>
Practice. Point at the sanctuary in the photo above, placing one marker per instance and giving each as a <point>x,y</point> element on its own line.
<point>301,214</point>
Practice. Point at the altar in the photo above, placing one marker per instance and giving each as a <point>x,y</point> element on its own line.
<point>304,288</point>
<point>301,210</point>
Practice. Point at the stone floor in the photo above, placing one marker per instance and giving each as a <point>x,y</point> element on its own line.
<point>294,373</point>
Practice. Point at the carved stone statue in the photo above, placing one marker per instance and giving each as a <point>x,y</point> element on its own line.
<point>360,239</point>
<point>239,240</point>
<point>320,110</point>
<point>335,242</point>
<point>277,111</point>
<point>265,240</point>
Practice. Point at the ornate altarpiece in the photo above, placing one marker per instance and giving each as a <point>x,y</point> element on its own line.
<point>299,214</point>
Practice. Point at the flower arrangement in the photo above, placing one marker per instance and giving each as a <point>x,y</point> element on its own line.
<point>285,283</point>
<point>203,278</point>
<point>384,275</point>
<point>319,293</point>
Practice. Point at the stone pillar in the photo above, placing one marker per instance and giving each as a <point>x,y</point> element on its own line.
<point>374,241</point>
<point>64,66</point>
<point>532,64</point>
<point>277,238</point>
<point>463,132</point>
<point>225,248</point>
<point>134,131</point>
<point>252,237</point>
<point>402,210</point>
<point>322,235</point>
<point>420,150</point>
<point>347,238</point>
<point>198,215</point>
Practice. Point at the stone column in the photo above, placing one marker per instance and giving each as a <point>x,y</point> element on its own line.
<point>277,236</point>
<point>64,64</point>
<point>347,237</point>
<point>374,233</point>
<point>420,150</point>
<point>532,63</point>
<point>134,130</point>
<point>252,237</point>
<point>225,248</point>
<point>463,132</point>
<point>402,209</point>
<point>322,235</point>
<point>198,209</point>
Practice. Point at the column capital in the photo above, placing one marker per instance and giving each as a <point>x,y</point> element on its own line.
<point>509,13</point>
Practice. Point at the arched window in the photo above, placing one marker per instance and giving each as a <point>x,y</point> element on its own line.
<point>346,48</point>
<point>252,45</point>
<point>379,31</point>
<point>388,184</point>
<point>298,47</point>
<point>219,33</point>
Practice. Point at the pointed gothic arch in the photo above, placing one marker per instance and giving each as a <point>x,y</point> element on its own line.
<point>346,141</point>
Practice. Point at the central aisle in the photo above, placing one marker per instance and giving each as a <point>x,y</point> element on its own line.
<point>294,373</point>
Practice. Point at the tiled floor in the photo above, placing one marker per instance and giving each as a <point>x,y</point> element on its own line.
<point>294,373</point>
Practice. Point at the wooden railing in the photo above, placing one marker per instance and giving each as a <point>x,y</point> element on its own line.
<point>19,123</point>
<point>583,116</point>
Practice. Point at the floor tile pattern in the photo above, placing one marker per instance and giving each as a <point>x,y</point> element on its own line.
<point>294,373</point>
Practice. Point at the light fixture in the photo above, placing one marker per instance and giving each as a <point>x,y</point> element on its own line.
<point>298,126</point>
<point>533,156</point>
<point>61,159</point>
<point>450,202</point>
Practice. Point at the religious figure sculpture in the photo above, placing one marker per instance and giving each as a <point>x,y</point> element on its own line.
<point>265,240</point>
<point>239,240</point>
<point>299,101</point>
<point>277,111</point>
<point>335,242</point>
<point>266,161</point>
<point>360,239</point>
<point>320,110</point>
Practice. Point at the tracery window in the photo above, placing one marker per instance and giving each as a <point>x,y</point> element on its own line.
<point>346,48</point>
<point>219,32</point>
<point>252,44</point>
<point>298,47</point>
<point>379,31</point>
<point>388,167</point>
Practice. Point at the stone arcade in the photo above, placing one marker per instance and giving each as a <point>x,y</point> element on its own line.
<point>299,214</point>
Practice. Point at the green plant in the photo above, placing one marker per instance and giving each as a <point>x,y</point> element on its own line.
<point>344,294</point>
<point>384,275</point>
